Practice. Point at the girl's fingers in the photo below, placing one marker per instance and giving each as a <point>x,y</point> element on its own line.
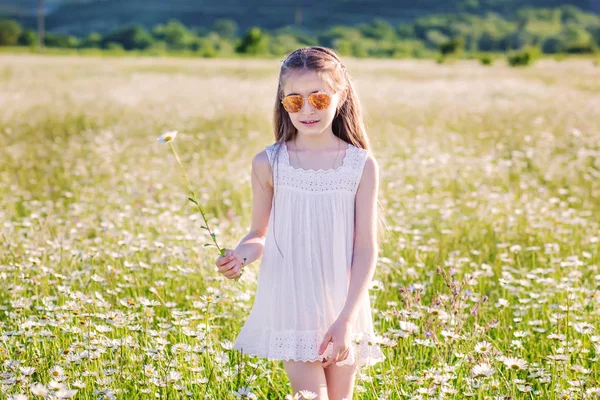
<point>334,357</point>
<point>223,260</point>
<point>228,266</point>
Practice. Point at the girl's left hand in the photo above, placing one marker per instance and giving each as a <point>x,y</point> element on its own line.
<point>340,333</point>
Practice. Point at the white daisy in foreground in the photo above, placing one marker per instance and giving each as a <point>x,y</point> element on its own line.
<point>167,136</point>
<point>39,390</point>
<point>514,363</point>
<point>27,370</point>
<point>483,369</point>
<point>307,394</point>
<point>483,347</point>
<point>245,393</point>
<point>149,370</point>
<point>65,394</point>
<point>57,371</point>
<point>583,327</point>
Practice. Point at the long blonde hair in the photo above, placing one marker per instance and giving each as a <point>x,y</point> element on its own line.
<point>348,122</point>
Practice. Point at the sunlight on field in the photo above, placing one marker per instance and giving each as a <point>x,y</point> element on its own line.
<point>487,281</point>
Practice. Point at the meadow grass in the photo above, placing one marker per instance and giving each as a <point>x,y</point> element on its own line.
<point>487,278</point>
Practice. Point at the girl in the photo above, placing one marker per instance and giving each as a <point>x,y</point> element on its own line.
<point>314,208</point>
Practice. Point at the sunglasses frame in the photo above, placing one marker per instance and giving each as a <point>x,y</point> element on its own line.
<point>307,98</point>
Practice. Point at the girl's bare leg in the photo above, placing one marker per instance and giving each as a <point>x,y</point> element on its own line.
<point>340,381</point>
<point>307,376</point>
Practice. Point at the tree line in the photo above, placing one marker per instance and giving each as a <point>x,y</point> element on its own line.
<point>565,29</point>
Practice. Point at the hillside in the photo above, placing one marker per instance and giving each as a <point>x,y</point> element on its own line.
<point>84,16</point>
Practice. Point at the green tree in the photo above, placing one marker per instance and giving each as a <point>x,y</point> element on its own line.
<point>452,46</point>
<point>339,36</point>
<point>255,41</point>
<point>10,31</point>
<point>133,37</point>
<point>283,44</point>
<point>61,41</point>
<point>436,38</point>
<point>174,33</point>
<point>28,38</point>
<point>378,29</point>
<point>225,27</point>
<point>92,40</point>
<point>575,39</point>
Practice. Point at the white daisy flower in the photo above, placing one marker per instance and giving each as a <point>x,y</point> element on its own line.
<point>167,136</point>
<point>149,370</point>
<point>307,394</point>
<point>57,371</point>
<point>516,364</point>
<point>27,370</point>
<point>483,369</point>
<point>583,327</point>
<point>39,390</point>
<point>245,393</point>
<point>65,394</point>
<point>483,347</point>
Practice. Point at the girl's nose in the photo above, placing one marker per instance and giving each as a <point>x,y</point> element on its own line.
<point>307,108</point>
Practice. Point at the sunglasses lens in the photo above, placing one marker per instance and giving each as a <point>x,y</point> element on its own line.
<point>293,103</point>
<point>320,101</point>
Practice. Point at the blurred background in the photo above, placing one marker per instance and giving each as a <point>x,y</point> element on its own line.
<point>483,116</point>
<point>360,28</point>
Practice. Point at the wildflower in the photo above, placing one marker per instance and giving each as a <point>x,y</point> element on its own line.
<point>65,394</point>
<point>167,136</point>
<point>245,393</point>
<point>180,347</point>
<point>483,369</point>
<point>39,390</point>
<point>526,388</point>
<point>173,376</point>
<point>79,384</point>
<point>57,371</point>
<point>583,327</point>
<point>307,394</point>
<point>227,344</point>
<point>515,364</point>
<point>27,370</point>
<point>483,347</point>
<point>149,370</point>
<point>55,385</point>
<point>409,327</point>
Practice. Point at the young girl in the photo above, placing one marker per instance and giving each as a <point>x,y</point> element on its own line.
<point>315,210</point>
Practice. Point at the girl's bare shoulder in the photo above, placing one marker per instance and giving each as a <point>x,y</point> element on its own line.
<point>261,166</point>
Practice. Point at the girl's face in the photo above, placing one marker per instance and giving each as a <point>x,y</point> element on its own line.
<point>304,83</point>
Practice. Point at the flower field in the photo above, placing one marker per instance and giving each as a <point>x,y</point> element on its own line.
<point>487,283</point>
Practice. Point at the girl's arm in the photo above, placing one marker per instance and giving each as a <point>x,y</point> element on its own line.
<point>364,258</point>
<point>252,245</point>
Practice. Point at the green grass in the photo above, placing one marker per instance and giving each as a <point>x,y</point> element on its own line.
<point>490,180</point>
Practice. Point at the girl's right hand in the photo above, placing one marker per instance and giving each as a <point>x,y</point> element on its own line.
<point>230,265</point>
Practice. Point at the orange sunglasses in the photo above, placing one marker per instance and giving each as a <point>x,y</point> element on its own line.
<point>294,102</point>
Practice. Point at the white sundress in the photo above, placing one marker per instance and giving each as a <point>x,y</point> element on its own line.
<point>301,293</point>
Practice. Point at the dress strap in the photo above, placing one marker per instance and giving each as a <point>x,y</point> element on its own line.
<point>357,163</point>
<point>270,150</point>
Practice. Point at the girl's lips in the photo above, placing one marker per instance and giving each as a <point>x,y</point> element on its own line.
<point>309,122</point>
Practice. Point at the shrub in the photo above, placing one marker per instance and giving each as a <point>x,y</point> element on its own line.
<point>523,57</point>
<point>10,31</point>
<point>485,59</point>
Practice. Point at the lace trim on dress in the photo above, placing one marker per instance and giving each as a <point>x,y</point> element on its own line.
<point>304,346</point>
<point>345,177</point>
